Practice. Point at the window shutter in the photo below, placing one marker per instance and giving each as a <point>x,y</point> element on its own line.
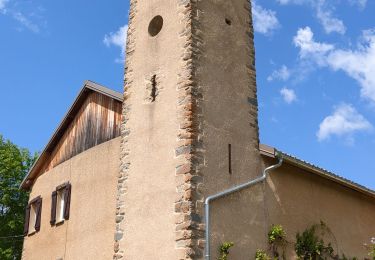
<point>67,194</point>
<point>38,207</point>
<point>53,208</point>
<point>27,218</point>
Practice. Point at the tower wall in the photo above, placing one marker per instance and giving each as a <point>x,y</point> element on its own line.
<point>147,189</point>
<point>225,74</point>
<point>190,92</point>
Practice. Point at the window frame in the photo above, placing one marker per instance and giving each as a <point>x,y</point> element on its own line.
<point>60,205</point>
<point>60,213</point>
<point>33,216</point>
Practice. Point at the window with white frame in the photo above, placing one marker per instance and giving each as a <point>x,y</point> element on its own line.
<point>60,207</point>
<point>33,216</point>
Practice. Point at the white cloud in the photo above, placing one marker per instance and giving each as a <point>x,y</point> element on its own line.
<point>358,64</point>
<point>324,12</point>
<point>288,95</point>
<point>265,21</point>
<point>2,5</point>
<point>117,39</point>
<point>361,3</point>
<point>344,121</point>
<point>285,2</point>
<point>22,19</point>
<point>281,74</point>
<point>325,17</point>
<point>309,48</point>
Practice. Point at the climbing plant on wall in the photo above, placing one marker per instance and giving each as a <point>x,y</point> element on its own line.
<point>224,250</point>
<point>277,241</point>
<point>371,248</point>
<point>309,245</point>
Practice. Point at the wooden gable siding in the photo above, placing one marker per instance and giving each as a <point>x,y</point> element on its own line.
<point>98,120</point>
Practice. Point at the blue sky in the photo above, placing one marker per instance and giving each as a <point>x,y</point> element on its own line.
<point>315,73</point>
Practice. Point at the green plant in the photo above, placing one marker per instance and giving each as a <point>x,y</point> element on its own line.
<point>224,250</point>
<point>15,162</point>
<point>310,246</point>
<point>276,239</point>
<point>261,255</point>
<point>276,234</point>
<point>372,248</point>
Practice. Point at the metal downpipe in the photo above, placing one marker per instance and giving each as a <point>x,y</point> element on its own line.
<point>230,191</point>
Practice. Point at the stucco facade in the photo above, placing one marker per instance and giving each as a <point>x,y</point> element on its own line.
<point>175,145</point>
<point>297,199</point>
<point>189,130</point>
<point>88,234</point>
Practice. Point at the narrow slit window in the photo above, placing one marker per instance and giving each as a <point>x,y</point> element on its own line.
<point>230,158</point>
<point>153,88</point>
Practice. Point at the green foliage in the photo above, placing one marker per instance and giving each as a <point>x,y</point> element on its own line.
<point>372,248</point>
<point>345,258</point>
<point>372,252</point>
<point>276,234</point>
<point>224,250</point>
<point>261,255</point>
<point>310,246</point>
<point>14,164</point>
<point>277,241</point>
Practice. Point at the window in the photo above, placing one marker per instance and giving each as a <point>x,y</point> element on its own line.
<point>33,216</point>
<point>60,206</point>
<point>155,25</point>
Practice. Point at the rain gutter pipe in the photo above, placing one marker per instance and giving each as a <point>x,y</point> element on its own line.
<point>230,191</point>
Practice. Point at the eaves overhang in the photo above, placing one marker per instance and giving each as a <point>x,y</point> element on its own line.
<point>271,152</point>
<point>88,87</point>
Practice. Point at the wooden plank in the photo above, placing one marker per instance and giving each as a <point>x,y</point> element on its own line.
<point>97,121</point>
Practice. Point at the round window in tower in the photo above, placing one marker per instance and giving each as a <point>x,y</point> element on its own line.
<point>155,25</point>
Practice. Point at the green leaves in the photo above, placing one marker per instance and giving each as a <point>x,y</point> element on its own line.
<point>224,250</point>
<point>310,245</point>
<point>276,233</point>
<point>14,165</point>
<point>261,255</point>
<point>371,248</point>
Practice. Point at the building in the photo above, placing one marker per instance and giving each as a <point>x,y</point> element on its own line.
<point>73,182</point>
<point>189,130</point>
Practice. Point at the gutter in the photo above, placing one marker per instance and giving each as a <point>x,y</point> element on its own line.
<point>230,191</point>
<point>270,152</point>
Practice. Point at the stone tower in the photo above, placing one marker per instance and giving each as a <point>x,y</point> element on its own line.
<point>190,128</point>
